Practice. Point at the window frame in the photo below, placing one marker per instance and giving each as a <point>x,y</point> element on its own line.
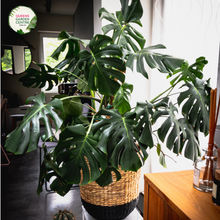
<point>43,34</point>
<point>7,47</point>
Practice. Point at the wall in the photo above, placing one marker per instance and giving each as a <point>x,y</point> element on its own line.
<point>83,20</point>
<point>97,4</point>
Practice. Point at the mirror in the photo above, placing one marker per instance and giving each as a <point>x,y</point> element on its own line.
<point>15,59</point>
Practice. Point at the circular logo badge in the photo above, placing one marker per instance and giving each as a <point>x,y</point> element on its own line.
<point>22,19</point>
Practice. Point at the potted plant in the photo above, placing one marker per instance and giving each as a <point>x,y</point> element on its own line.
<point>116,136</point>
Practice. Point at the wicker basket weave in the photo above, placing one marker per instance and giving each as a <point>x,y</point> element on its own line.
<point>115,201</point>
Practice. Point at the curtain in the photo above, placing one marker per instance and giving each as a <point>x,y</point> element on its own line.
<point>189,29</point>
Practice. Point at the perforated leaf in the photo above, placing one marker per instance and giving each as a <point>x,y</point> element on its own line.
<point>143,129</point>
<point>25,137</point>
<point>164,63</point>
<point>124,34</point>
<point>75,149</point>
<point>196,104</point>
<point>190,146</point>
<point>118,135</point>
<point>103,65</point>
<point>171,128</point>
<point>37,78</point>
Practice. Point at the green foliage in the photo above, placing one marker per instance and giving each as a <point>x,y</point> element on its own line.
<point>7,60</point>
<point>102,65</point>
<point>196,105</point>
<point>27,57</point>
<point>32,23</point>
<point>123,32</point>
<point>118,137</point>
<point>71,152</point>
<point>72,108</point>
<point>121,100</point>
<point>164,63</point>
<point>50,45</point>
<point>189,73</point>
<point>27,134</point>
<point>35,78</point>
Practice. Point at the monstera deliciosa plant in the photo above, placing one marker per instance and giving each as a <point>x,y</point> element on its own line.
<point>115,134</point>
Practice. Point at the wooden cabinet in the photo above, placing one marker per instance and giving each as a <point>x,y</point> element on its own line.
<point>171,196</point>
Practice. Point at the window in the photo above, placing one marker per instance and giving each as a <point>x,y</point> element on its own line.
<point>49,42</point>
<point>27,57</point>
<point>7,60</point>
<point>15,58</point>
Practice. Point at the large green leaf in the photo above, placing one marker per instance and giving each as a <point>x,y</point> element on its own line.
<point>102,66</point>
<point>35,78</point>
<point>164,63</point>
<point>118,139</point>
<point>82,85</point>
<point>49,169</point>
<point>69,64</point>
<point>25,136</point>
<point>72,42</point>
<point>188,72</point>
<point>106,178</point>
<point>121,100</point>
<point>196,104</point>
<point>124,34</point>
<point>190,142</point>
<point>179,135</point>
<point>143,128</point>
<point>171,128</point>
<point>72,108</point>
<point>74,150</point>
<point>132,12</point>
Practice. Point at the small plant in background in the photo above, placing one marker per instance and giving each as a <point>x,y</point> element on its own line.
<point>64,215</point>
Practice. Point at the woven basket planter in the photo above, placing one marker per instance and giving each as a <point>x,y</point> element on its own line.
<point>115,201</point>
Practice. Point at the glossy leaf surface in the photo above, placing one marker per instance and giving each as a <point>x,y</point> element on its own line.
<point>69,64</point>
<point>37,78</point>
<point>143,129</point>
<point>188,73</point>
<point>164,63</point>
<point>72,108</point>
<point>170,128</point>
<point>196,105</point>
<point>121,100</point>
<point>74,150</point>
<point>103,65</point>
<point>117,139</point>
<point>132,12</point>
<point>25,137</point>
<point>124,34</point>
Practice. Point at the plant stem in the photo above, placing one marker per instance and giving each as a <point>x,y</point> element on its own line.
<point>121,31</point>
<point>90,125</point>
<point>158,96</point>
<point>93,101</point>
<point>154,99</point>
<point>80,96</point>
<point>102,101</point>
<point>73,75</point>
